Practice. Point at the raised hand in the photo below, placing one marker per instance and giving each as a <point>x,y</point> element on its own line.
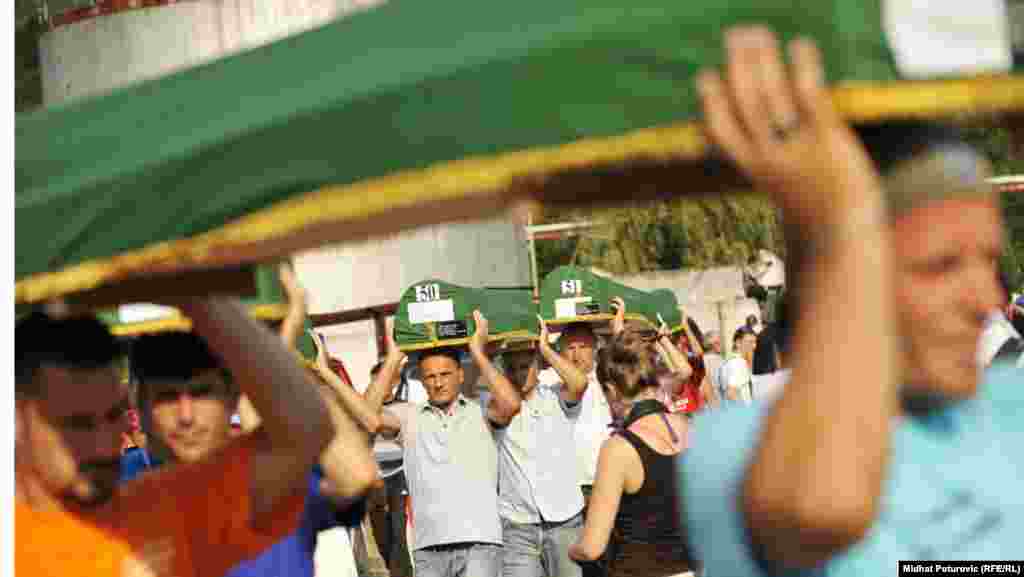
<point>663,329</point>
<point>619,322</point>
<point>781,128</point>
<point>544,334</point>
<point>293,290</point>
<point>321,353</point>
<point>390,346</point>
<point>478,342</point>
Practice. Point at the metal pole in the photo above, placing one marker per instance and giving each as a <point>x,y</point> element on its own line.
<point>726,341</point>
<point>533,257</point>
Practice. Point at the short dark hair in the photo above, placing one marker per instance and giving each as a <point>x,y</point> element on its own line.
<point>575,328</point>
<point>742,332</point>
<point>74,343</point>
<point>172,356</point>
<point>452,353</point>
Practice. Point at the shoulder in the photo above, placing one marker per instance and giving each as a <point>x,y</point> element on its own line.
<point>548,377</point>
<point>1002,386</point>
<point>403,411</point>
<point>618,447</point>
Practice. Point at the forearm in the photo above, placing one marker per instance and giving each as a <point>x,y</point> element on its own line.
<point>844,453</point>
<point>573,379</point>
<point>678,358</point>
<point>679,363</point>
<point>665,357</point>
<point>291,326</point>
<point>355,404</point>
<point>348,463</point>
<point>279,388</point>
<point>380,387</point>
<point>505,399</point>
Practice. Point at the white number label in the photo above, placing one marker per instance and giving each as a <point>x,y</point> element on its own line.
<point>572,287</point>
<point>427,293</point>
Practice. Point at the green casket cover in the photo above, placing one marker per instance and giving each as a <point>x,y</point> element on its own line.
<point>435,313</point>
<point>378,94</point>
<point>572,294</point>
<point>269,304</point>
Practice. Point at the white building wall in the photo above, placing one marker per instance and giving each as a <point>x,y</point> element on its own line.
<point>101,54</point>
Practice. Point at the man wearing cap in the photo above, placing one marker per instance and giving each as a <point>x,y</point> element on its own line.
<point>450,457</point>
<point>889,448</point>
<point>540,501</point>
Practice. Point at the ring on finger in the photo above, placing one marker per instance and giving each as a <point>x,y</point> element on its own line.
<point>784,128</point>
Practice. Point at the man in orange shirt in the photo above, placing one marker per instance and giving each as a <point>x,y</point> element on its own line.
<point>196,519</point>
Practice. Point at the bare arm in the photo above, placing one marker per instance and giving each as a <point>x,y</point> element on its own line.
<point>289,332</point>
<point>505,401</point>
<point>380,387</point>
<point>296,423</point>
<point>829,432</point>
<point>291,326</point>
<point>350,470</point>
<point>574,382</point>
<point>350,400</point>
<point>677,360</point>
<point>609,485</point>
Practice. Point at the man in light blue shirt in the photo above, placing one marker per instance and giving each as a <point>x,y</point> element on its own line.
<point>884,446</point>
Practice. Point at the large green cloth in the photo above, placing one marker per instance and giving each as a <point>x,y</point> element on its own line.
<point>572,294</point>
<point>403,86</point>
<point>434,314</point>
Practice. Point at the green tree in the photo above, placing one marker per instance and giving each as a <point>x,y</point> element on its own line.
<point>680,233</point>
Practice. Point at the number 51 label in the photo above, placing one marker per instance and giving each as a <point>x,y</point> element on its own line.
<point>572,287</point>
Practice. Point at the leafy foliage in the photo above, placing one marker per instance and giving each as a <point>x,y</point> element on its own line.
<point>725,231</point>
<point>681,233</point>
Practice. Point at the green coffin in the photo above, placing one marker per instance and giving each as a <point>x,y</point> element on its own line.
<point>450,106</point>
<point>435,314</point>
<point>571,294</point>
<point>668,306</point>
<point>268,305</point>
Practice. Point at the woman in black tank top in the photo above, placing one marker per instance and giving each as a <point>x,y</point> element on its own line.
<point>635,507</point>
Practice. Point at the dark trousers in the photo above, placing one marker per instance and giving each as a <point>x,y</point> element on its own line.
<point>598,568</point>
<point>389,527</point>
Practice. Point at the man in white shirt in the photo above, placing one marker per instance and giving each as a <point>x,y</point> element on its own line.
<point>713,357</point>
<point>540,501</point>
<point>734,376</point>
<point>577,344</point>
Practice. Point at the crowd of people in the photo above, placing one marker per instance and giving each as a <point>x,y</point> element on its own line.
<point>861,432</point>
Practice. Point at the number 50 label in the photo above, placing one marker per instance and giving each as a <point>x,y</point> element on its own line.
<point>427,293</point>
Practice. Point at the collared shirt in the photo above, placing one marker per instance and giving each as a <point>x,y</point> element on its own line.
<point>735,374</point>
<point>537,460</point>
<point>593,426</point>
<point>451,465</point>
